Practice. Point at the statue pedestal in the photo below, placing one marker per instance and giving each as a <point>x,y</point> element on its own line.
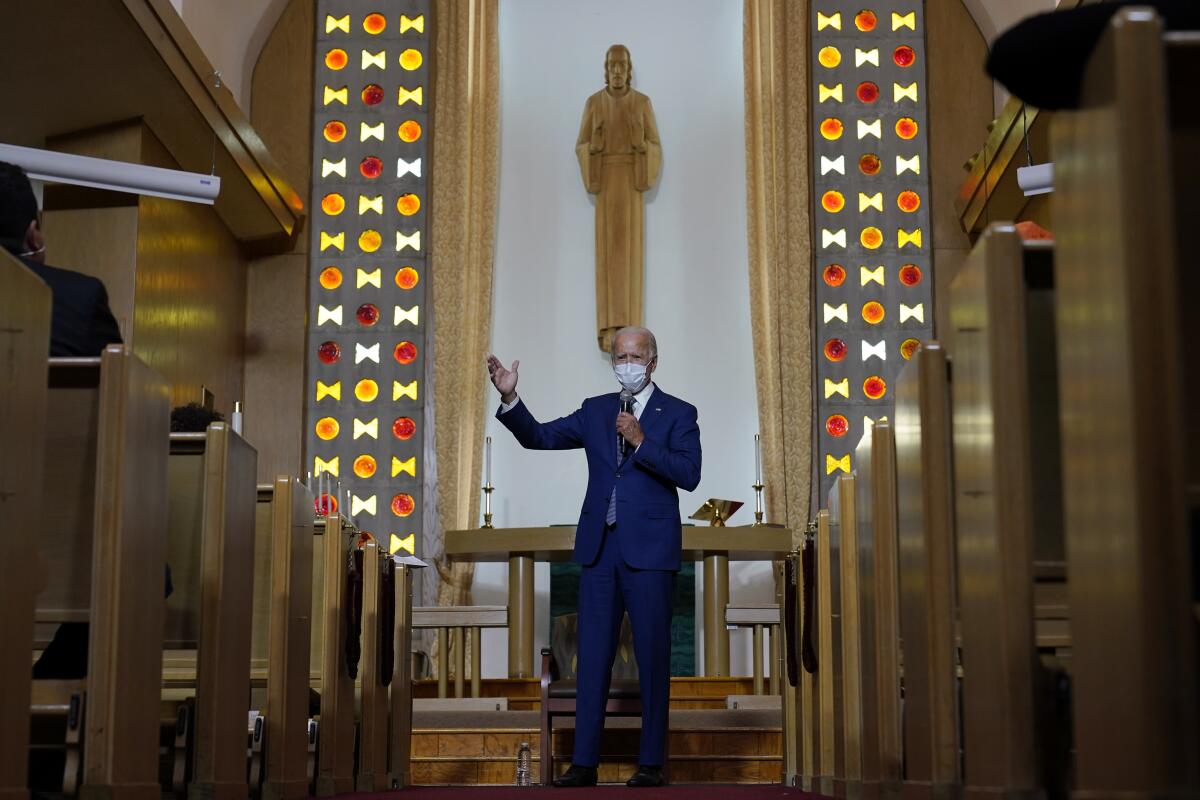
<point>521,547</point>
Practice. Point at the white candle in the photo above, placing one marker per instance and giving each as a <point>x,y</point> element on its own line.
<point>487,461</point>
<point>757,459</point>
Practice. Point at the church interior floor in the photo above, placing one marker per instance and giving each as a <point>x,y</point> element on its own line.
<point>712,792</point>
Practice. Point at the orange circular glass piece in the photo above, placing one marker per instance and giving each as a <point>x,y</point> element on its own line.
<point>908,201</point>
<point>333,204</point>
<point>869,164</point>
<point>831,128</point>
<point>405,352</point>
<point>906,127</point>
<point>403,504</point>
<point>374,24</point>
<point>366,390</point>
<point>408,204</point>
<point>865,20</point>
<point>874,387</point>
<point>836,349</point>
<point>409,131</point>
<point>910,274</point>
<point>327,428</point>
<point>365,466</point>
<point>411,59</point>
<point>407,277</point>
<point>334,131</point>
<point>331,278</point>
<point>336,59</point>
<point>829,57</point>
<point>369,240</point>
<point>871,238</point>
<point>872,312</point>
<point>837,426</point>
<point>833,201</point>
<point>908,347</point>
<point>834,275</point>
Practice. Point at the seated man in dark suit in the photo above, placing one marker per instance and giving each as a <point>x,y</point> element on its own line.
<point>81,324</point>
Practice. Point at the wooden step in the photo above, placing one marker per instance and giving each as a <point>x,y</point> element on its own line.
<point>704,747</point>
<point>686,693</point>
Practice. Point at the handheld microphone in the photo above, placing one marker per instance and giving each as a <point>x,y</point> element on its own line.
<point>627,407</point>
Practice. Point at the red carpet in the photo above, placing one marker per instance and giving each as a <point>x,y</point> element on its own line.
<point>687,792</point>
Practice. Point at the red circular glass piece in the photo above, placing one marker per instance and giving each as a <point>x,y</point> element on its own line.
<point>404,428</point>
<point>834,275</point>
<point>836,349</point>
<point>910,274</point>
<point>367,314</point>
<point>325,504</point>
<point>403,505</point>
<point>371,167</point>
<point>904,56</point>
<point>372,94</point>
<point>405,352</point>
<point>867,92</point>
<point>329,352</point>
<point>869,164</point>
<point>837,425</point>
<point>874,387</point>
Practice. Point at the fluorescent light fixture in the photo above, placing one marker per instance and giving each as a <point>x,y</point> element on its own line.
<point>1036,179</point>
<point>115,176</point>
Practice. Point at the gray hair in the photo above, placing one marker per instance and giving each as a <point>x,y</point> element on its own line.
<point>635,330</point>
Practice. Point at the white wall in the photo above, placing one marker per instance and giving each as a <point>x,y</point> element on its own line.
<point>687,56</point>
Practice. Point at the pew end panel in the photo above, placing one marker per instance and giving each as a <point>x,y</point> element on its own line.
<point>1124,178</point>
<point>290,554</point>
<point>928,605</point>
<point>24,343</point>
<point>110,446</point>
<point>335,754</point>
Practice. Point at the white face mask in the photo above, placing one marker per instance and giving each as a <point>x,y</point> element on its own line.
<point>631,376</point>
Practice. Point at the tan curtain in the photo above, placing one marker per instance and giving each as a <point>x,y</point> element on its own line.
<point>466,135</point>
<point>777,204</point>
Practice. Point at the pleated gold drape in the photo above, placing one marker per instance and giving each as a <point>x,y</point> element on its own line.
<point>465,153</point>
<point>775,53</point>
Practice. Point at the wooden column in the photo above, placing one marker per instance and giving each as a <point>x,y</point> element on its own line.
<point>716,597</point>
<point>520,617</point>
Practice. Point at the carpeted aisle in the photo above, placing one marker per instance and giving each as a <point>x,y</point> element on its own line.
<point>687,792</point>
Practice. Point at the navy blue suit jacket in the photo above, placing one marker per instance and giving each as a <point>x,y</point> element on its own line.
<point>81,323</point>
<point>648,523</point>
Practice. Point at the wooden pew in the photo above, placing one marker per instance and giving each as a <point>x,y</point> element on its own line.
<point>826,726</point>
<point>289,585</point>
<point>879,640</point>
<point>378,611</point>
<point>1005,435</point>
<point>24,343</point>
<point>401,699</point>
<point>1125,210</point>
<point>928,603</point>
<point>105,478</point>
<point>211,551</point>
<point>847,632</point>
<point>335,752</point>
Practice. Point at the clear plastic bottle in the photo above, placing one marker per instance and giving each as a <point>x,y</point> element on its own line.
<point>524,765</point>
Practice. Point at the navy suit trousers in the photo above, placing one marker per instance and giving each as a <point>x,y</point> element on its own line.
<point>607,588</point>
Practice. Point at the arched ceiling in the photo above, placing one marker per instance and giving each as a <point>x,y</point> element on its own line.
<point>993,17</point>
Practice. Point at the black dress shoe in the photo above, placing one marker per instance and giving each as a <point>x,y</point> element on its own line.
<point>646,775</point>
<point>577,775</point>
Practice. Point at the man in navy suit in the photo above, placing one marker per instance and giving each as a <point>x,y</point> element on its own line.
<point>628,539</point>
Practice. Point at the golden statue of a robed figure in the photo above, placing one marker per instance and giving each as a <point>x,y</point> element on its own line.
<point>619,158</point>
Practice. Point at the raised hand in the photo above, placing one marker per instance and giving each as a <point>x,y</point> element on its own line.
<point>505,380</point>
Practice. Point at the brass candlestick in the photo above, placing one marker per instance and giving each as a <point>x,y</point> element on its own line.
<point>758,503</point>
<point>487,504</point>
